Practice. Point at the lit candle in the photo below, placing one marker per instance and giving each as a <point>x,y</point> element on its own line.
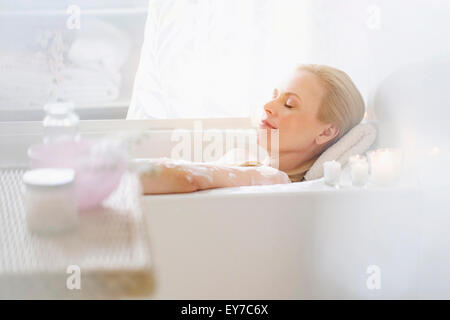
<point>359,170</point>
<point>384,165</point>
<point>356,158</point>
<point>332,172</point>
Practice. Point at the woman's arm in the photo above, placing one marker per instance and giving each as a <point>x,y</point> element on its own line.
<point>169,176</point>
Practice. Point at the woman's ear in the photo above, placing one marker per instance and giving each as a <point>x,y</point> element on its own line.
<point>327,134</point>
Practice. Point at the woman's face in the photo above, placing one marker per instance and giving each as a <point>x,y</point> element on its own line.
<point>293,111</point>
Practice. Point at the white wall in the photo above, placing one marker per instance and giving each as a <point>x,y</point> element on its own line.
<point>371,39</point>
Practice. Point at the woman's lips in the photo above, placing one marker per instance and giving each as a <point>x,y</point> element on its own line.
<point>266,125</point>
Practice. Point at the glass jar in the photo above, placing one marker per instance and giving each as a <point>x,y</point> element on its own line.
<point>60,122</point>
<point>50,200</point>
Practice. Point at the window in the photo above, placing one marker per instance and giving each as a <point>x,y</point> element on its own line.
<point>79,50</point>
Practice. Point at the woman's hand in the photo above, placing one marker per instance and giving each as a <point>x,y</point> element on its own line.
<point>168,176</point>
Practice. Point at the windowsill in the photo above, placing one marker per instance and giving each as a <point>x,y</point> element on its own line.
<point>85,113</point>
<point>16,137</point>
<point>93,11</point>
<point>106,125</point>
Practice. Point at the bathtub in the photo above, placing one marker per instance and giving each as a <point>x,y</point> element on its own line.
<point>298,241</point>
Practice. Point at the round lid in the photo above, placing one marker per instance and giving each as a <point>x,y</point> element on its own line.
<point>49,177</point>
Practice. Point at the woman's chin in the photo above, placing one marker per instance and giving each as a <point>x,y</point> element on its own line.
<point>264,142</point>
<point>267,137</point>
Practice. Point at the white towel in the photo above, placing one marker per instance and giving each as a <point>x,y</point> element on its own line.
<point>357,141</point>
<point>86,86</point>
<point>100,43</point>
<point>26,82</point>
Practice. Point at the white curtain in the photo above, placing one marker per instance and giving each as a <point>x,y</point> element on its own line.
<point>215,58</point>
<point>222,58</point>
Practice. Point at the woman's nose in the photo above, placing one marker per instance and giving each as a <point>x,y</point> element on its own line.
<point>270,109</point>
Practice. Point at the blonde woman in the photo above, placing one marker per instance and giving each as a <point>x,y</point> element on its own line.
<point>317,105</point>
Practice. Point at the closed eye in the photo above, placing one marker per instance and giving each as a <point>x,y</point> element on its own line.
<point>290,103</point>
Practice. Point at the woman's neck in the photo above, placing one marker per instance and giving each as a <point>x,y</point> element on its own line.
<point>289,161</point>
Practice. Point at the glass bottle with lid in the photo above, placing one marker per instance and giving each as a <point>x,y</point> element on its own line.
<point>60,122</point>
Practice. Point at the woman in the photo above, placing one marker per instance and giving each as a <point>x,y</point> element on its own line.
<point>317,105</point>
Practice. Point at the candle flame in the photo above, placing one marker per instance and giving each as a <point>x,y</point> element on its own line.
<point>435,151</point>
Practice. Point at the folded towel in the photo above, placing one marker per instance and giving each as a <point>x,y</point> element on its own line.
<point>102,43</point>
<point>356,141</point>
<point>26,82</point>
<point>86,86</point>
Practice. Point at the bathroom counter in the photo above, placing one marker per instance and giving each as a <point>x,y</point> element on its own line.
<point>109,248</point>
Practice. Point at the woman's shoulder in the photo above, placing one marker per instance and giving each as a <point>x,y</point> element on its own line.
<point>243,158</point>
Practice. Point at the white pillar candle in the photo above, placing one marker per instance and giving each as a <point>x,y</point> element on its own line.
<point>359,171</point>
<point>50,200</point>
<point>384,166</point>
<point>356,158</point>
<point>332,172</point>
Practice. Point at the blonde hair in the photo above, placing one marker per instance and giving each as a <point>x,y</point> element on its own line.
<point>343,104</point>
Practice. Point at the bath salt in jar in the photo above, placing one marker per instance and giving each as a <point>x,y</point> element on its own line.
<point>49,200</point>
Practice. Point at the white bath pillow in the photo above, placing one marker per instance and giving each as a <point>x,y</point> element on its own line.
<point>356,141</point>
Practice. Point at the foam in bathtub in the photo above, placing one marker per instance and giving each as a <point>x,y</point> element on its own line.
<point>209,174</point>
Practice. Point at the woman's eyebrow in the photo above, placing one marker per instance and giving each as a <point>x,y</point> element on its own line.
<point>289,93</point>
